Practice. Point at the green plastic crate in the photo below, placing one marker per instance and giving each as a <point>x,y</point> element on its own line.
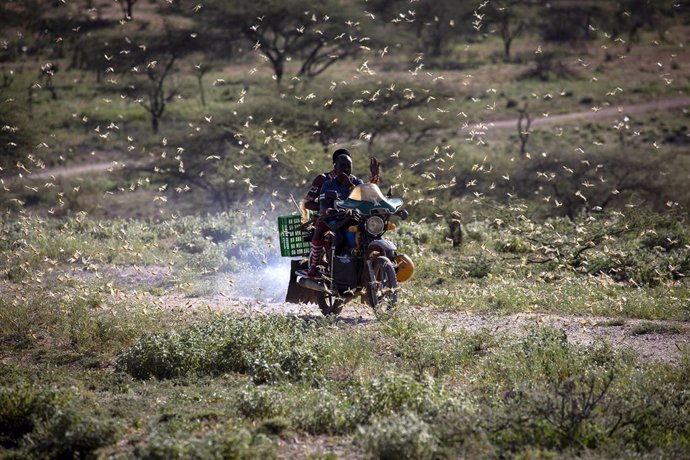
<point>294,242</point>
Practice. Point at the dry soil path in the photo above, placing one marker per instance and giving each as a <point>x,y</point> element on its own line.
<point>77,170</point>
<point>594,113</point>
<point>584,330</point>
<point>666,347</point>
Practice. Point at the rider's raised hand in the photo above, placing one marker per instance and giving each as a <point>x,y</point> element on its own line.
<point>374,167</point>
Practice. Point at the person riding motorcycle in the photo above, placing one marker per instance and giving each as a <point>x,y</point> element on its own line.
<point>340,183</point>
<point>310,202</point>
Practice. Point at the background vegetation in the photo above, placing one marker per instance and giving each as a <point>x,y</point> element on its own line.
<point>147,147</point>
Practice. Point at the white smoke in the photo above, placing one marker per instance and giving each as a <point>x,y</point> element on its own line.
<point>264,275</point>
<point>268,283</point>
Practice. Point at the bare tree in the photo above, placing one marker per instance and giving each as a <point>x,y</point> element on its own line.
<point>156,62</point>
<point>201,70</point>
<point>523,125</point>
<point>511,18</point>
<point>127,7</point>
<point>158,96</point>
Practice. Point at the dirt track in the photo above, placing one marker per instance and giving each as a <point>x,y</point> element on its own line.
<point>665,347</point>
<point>592,114</point>
<point>77,170</point>
<point>619,332</point>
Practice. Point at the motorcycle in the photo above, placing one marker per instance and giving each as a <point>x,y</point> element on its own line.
<point>359,261</point>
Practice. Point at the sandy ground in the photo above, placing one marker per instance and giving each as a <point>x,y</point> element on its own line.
<point>666,347</point>
<point>584,330</point>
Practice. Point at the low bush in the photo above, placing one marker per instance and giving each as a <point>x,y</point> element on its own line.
<point>320,412</point>
<point>477,266</point>
<point>429,349</point>
<point>22,407</point>
<point>394,393</point>
<point>260,402</point>
<point>398,436</point>
<point>567,398</point>
<point>267,349</point>
<point>70,433</point>
<point>229,442</point>
<point>513,245</point>
<point>73,316</point>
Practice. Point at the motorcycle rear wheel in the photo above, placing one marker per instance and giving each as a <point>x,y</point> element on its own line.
<point>329,304</point>
<point>382,292</point>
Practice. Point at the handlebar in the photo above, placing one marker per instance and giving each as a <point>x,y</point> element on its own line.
<point>401,213</point>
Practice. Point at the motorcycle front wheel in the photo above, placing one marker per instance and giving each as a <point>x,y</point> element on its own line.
<point>382,292</point>
<point>329,304</point>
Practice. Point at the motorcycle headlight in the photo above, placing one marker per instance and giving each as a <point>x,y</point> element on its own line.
<point>374,225</point>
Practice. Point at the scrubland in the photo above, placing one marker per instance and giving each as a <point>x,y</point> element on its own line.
<point>141,285</point>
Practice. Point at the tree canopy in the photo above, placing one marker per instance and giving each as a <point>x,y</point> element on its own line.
<point>313,35</point>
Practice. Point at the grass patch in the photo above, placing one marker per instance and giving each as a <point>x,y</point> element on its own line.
<point>409,388</point>
<point>75,318</point>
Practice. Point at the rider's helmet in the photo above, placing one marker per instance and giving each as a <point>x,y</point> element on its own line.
<point>404,267</point>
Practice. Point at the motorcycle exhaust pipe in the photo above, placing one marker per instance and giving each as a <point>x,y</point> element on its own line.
<point>314,285</point>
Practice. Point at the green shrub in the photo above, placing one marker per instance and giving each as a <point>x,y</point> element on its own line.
<point>398,436</point>
<point>319,412</point>
<point>72,434</point>
<point>192,243</point>
<point>166,355</point>
<point>459,427</point>
<point>394,393</point>
<point>513,245</point>
<point>73,315</point>
<point>546,393</point>
<point>431,349</point>
<point>230,443</point>
<point>648,268</point>
<point>259,402</point>
<point>22,408</point>
<point>478,266</point>
<point>269,349</point>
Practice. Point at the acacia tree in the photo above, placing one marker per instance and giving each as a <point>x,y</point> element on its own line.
<point>149,66</point>
<point>157,95</point>
<point>570,22</point>
<point>315,35</point>
<point>631,16</point>
<point>434,23</point>
<point>510,17</point>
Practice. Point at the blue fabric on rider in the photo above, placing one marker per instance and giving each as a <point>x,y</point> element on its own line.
<point>343,191</point>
